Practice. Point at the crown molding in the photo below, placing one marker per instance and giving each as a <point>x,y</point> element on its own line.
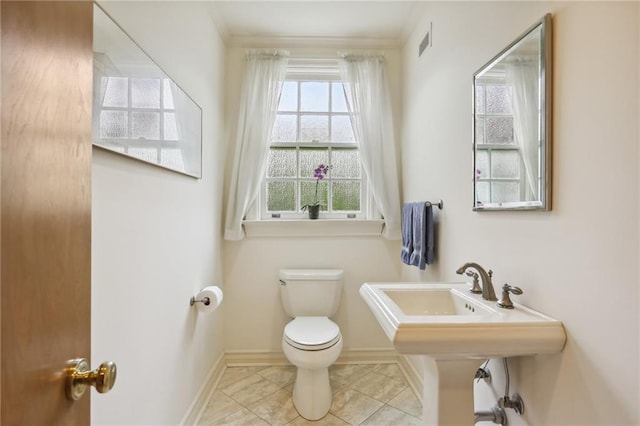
<point>316,42</point>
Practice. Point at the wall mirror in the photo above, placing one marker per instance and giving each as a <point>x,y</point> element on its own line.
<point>138,110</point>
<point>512,125</point>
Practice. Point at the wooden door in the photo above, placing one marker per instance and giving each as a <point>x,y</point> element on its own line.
<point>45,205</point>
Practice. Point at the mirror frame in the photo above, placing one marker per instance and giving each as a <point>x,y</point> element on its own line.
<point>545,128</point>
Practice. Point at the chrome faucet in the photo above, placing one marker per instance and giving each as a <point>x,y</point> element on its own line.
<point>487,286</point>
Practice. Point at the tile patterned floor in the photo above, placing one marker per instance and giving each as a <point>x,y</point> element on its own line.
<point>363,394</point>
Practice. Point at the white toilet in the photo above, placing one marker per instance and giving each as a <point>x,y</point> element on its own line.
<point>311,341</point>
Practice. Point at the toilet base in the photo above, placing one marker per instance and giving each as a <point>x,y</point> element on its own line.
<point>312,393</point>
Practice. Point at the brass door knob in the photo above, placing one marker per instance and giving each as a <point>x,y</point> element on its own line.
<point>79,376</point>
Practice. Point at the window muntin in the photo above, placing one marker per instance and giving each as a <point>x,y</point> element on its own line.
<point>138,117</point>
<point>499,167</point>
<point>313,127</point>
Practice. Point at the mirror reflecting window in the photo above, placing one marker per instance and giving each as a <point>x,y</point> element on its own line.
<point>511,125</point>
<point>138,110</point>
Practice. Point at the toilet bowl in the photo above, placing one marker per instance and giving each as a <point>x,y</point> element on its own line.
<point>312,356</point>
<point>311,341</point>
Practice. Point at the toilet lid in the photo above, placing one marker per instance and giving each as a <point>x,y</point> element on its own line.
<point>312,333</point>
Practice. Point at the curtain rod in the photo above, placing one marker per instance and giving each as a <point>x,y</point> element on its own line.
<point>266,53</point>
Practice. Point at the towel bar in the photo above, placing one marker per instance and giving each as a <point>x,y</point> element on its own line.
<point>439,204</point>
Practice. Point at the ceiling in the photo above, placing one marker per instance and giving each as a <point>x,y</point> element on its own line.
<point>388,20</point>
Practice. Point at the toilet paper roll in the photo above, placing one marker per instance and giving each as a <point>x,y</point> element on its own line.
<point>211,293</point>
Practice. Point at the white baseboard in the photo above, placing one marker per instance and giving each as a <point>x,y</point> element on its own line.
<point>204,394</point>
<point>273,358</point>
<point>413,376</point>
<point>359,356</point>
<point>255,358</point>
<point>368,356</point>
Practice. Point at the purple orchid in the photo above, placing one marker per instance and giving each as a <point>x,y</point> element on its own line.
<point>321,171</point>
<point>318,173</point>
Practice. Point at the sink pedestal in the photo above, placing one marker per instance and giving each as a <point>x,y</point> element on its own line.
<point>447,395</point>
<point>454,331</point>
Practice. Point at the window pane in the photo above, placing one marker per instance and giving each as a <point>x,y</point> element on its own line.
<point>115,147</point>
<point>282,162</point>
<point>113,124</point>
<point>341,130</point>
<point>145,125</point>
<point>479,99</point>
<point>479,130</point>
<point>482,164</point>
<point>338,100</point>
<point>281,196</point>
<point>346,163</point>
<point>505,164</point>
<point>145,93</point>
<point>289,96</point>
<point>505,192</point>
<point>285,128</point>
<point>482,192</point>
<point>498,99</point>
<point>314,96</point>
<point>314,128</point>
<point>346,196</point>
<point>116,93</point>
<point>308,193</point>
<point>146,154</point>
<point>172,158</point>
<point>500,130</point>
<point>310,159</point>
<point>167,93</point>
<point>170,127</point>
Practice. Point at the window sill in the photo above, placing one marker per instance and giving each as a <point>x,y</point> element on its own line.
<point>313,228</point>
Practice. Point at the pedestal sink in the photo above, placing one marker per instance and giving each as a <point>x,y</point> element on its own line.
<point>455,331</point>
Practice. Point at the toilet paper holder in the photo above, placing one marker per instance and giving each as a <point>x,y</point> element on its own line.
<point>208,299</point>
<point>205,300</point>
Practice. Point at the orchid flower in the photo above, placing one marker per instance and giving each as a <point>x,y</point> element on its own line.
<point>318,173</point>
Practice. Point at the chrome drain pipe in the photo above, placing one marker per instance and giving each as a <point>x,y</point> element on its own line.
<point>495,415</point>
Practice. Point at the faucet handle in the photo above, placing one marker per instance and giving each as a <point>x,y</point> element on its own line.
<point>505,300</point>
<point>490,273</point>
<point>476,289</point>
<point>512,289</point>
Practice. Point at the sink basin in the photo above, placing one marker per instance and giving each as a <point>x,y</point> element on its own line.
<point>434,301</point>
<point>455,331</point>
<point>444,320</point>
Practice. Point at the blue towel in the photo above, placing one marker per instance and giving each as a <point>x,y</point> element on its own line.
<point>407,233</point>
<point>430,231</point>
<point>422,230</point>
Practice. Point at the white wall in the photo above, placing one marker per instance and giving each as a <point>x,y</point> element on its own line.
<point>577,263</point>
<point>156,237</point>
<point>254,318</point>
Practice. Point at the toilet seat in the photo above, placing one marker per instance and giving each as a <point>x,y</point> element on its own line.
<point>312,333</point>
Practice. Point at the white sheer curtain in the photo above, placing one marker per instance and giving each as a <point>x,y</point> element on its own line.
<point>367,93</point>
<point>264,75</point>
<point>102,69</point>
<point>188,118</point>
<point>522,76</point>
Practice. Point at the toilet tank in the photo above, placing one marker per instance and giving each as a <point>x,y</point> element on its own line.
<point>311,292</point>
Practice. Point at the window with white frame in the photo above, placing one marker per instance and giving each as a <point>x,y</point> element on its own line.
<point>313,128</point>
<point>499,177</point>
<point>137,117</point>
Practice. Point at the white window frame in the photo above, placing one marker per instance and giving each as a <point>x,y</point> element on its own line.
<point>489,148</point>
<point>129,142</point>
<point>317,70</point>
